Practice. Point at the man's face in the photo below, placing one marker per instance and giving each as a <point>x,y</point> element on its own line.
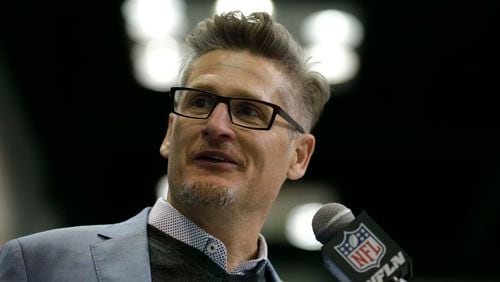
<point>214,162</point>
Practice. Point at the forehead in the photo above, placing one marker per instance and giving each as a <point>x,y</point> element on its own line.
<point>239,73</point>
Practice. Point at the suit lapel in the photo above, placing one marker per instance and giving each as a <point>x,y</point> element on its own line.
<point>123,255</point>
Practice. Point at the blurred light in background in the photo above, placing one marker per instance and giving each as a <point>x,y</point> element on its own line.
<point>290,220</point>
<point>153,19</point>
<point>156,26</point>
<point>337,63</point>
<point>332,27</point>
<point>157,63</point>
<point>331,37</point>
<point>298,228</point>
<point>245,6</point>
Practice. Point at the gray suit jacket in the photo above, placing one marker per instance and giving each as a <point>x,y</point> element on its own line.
<point>117,252</point>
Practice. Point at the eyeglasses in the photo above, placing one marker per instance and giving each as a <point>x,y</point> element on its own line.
<point>247,113</point>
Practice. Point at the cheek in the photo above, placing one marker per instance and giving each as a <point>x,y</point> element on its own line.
<point>184,134</point>
<point>271,172</point>
<point>182,138</point>
<point>275,154</point>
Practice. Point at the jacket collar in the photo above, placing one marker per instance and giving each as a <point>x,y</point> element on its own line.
<point>124,254</point>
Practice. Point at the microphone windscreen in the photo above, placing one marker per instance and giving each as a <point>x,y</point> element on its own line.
<point>329,220</point>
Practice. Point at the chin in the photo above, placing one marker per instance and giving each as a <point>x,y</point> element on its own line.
<point>207,193</point>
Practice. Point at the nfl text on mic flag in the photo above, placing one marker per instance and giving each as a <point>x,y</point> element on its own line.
<point>357,249</point>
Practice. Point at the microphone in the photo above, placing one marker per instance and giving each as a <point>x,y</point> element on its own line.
<point>357,249</point>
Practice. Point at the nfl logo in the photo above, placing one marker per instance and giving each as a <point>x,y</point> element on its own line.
<point>361,249</point>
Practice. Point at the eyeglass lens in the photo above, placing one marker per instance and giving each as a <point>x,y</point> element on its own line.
<point>244,112</point>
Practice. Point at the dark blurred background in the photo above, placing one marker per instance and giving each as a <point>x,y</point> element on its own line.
<point>412,139</point>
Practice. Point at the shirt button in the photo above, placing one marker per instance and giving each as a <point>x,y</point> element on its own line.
<point>212,248</point>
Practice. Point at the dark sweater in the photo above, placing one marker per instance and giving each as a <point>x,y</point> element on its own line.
<point>173,260</point>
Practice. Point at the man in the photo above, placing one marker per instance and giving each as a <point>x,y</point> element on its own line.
<point>239,127</point>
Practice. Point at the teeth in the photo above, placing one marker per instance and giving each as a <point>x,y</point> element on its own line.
<point>217,158</point>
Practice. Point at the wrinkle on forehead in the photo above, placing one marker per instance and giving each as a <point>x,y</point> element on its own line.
<point>241,73</point>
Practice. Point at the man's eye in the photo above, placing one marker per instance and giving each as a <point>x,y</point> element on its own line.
<point>248,110</point>
<point>201,101</point>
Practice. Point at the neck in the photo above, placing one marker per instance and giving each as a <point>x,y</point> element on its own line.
<point>239,232</point>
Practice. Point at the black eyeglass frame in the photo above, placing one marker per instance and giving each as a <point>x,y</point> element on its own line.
<point>277,110</point>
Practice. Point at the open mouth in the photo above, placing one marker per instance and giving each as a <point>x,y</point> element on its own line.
<point>214,157</point>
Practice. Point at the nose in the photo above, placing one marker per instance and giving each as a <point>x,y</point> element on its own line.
<point>218,124</point>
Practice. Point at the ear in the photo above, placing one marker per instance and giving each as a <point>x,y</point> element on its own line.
<point>304,148</point>
<point>165,145</point>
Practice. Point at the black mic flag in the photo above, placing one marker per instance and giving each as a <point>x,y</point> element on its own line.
<point>357,249</point>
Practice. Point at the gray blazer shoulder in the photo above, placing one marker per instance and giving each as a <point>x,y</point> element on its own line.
<point>117,252</point>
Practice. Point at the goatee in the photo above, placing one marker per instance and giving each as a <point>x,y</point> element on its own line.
<point>206,195</point>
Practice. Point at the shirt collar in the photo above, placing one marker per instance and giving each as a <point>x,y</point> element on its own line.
<point>169,220</point>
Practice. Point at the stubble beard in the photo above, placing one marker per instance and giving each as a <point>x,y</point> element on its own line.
<point>206,195</point>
